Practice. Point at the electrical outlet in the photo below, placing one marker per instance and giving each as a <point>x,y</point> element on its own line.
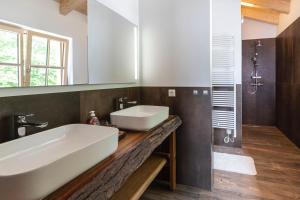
<point>172,93</point>
<point>195,92</point>
<point>205,92</point>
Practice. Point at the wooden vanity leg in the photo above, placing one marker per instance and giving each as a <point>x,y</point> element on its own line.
<point>172,149</point>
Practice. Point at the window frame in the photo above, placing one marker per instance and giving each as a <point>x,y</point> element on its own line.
<point>25,55</point>
<point>63,54</point>
<point>20,52</point>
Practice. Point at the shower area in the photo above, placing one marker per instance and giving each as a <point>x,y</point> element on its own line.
<point>259,81</point>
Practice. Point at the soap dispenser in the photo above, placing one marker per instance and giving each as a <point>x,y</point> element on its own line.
<point>93,119</point>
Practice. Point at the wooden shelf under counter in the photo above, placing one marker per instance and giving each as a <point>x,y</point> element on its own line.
<point>138,183</point>
<point>134,155</point>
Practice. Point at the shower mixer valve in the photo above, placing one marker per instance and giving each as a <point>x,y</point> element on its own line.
<point>254,75</point>
<point>257,84</point>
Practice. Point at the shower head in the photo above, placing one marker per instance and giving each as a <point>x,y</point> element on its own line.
<point>259,43</point>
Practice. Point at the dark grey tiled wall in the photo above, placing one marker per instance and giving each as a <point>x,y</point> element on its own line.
<point>194,137</point>
<point>57,109</point>
<point>288,82</point>
<point>103,101</point>
<point>60,108</point>
<point>259,108</point>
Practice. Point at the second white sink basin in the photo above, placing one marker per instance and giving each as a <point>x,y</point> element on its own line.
<point>139,118</point>
<point>33,167</point>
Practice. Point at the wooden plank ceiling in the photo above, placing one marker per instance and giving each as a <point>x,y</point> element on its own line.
<point>67,6</point>
<point>265,10</point>
<point>262,10</point>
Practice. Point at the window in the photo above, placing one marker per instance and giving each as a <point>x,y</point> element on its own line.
<point>47,60</point>
<point>11,62</point>
<point>30,58</point>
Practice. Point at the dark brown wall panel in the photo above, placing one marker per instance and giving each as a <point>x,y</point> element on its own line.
<point>288,82</point>
<point>61,108</point>
<point>57,109</point>
<point>295,114</point>
<point>194,138</point>
<point>103,101</point>
<point>259,108</point>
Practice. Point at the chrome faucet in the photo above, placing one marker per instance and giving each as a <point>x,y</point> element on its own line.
<point>21,122</point>
<point>123,103</point>
<point>131,103</point>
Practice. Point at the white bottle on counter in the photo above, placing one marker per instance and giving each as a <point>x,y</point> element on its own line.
<point>93,119</point>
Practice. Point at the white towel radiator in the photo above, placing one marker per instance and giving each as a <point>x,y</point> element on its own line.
<point>223,85</point>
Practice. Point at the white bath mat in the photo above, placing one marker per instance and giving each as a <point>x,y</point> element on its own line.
<point>234,163</point>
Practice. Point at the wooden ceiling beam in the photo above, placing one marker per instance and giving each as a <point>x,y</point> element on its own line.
<point>67,6</point>
<point>282,6</point>
<point>264,15</point>
<point>83,8</point>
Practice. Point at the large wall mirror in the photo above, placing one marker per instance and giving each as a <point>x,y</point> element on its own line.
<point>41,47</point>
<point>113,46</point>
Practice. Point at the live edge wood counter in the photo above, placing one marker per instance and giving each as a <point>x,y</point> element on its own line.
<point>106,178</point>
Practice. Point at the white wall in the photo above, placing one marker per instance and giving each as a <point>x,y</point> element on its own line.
<point>127,8</point>
<point>229,23</point>
<point>285,20</point>
<point>253,29</point>
<point>112,44</point>
<point>44,15</point>
<point>175,42</point>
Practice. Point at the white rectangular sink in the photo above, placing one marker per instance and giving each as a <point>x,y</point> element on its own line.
<point>139,118</point>
<point>35,166</point>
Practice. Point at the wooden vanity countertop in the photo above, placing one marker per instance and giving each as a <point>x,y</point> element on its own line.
<point>107,177</point>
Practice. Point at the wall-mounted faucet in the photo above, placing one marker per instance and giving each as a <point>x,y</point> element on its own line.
<point>123,103</point>
<point>131,103</point>
<point>21,122</point>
